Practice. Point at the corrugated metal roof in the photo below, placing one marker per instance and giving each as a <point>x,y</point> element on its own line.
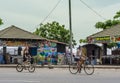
<point>14,32</point>
<point>113,31</point>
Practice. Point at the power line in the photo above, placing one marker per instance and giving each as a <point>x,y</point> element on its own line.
<point>50,12</point>
<point>92,9</point>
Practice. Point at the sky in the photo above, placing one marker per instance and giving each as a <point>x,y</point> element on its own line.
<point>28,14</point>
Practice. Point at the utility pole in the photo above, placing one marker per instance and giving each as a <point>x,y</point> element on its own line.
<point>70,25</point>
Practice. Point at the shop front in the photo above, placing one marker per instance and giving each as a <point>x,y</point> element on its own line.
<point>105,37</point>
<point>13,41</point>
<point>93,53</point>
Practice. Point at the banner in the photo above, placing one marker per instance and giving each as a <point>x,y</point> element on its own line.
<point>105,39</point>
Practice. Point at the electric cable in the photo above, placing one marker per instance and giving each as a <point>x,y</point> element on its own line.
<point>92,9</point>
<point>49,13</point>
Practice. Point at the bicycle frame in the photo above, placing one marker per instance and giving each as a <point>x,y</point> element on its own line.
<point>74,68</point>
<point>26,66</point>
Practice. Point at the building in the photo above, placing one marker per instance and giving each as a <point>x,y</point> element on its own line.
<point>16,37</point>
<point>94,53</point>
<point>110,35</point>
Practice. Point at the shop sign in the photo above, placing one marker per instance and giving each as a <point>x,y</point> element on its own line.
<point>105,39</point>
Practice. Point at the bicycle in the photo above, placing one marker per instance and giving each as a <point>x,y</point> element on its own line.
<point>88,68</point>
<point>28,66</point>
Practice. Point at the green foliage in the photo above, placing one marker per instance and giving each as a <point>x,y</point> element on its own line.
<point>83,41</point>
<point>109,24</point>
<point>54,31</point>
<point>100,25</point>
<point>115,22</point>
<point>110,45</point>
<point>117,15</point>
<point>1,21</point>
<point>106,24</point>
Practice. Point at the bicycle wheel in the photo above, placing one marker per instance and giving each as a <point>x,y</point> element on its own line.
<point>19,67</point>
<point>89,69</point>
<point>31,68</point>
<point>73,68</point>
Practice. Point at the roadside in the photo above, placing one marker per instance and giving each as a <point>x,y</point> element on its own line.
<point>63,66</point>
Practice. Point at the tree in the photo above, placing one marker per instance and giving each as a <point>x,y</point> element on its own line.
<point>117,15</point>
<point>1,21</point>
<point>109,24</point>
<point>115,22</point>
<point>100,25</point>
<point>106,24</point>
<point>83,41</point>
<point>54,31</point>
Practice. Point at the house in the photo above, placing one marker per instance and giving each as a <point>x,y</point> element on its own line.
<point>15,37</point>
<point>109,35</point>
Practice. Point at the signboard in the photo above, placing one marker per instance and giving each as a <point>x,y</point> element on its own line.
<point>105,39</point>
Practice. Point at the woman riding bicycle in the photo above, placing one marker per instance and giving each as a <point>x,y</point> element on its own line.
<point>26,54</point>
